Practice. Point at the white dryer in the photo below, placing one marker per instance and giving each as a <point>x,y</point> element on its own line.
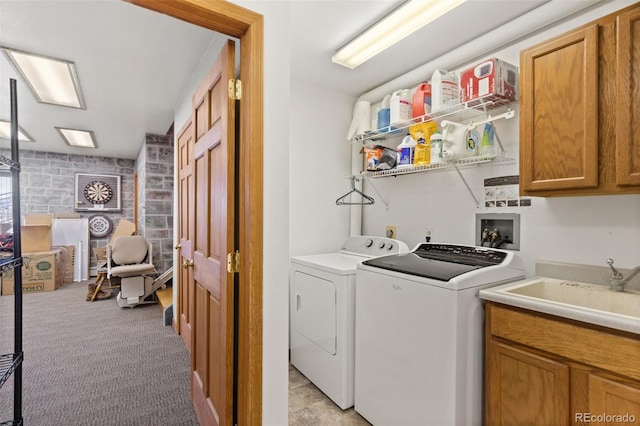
<point>322,307</point>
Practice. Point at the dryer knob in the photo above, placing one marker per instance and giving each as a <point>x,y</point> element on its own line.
<point>390,246</point>
<point>381,245</point>
<point>368,243</point>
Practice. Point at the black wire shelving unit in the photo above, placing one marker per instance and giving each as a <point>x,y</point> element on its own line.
<point>11,364</point>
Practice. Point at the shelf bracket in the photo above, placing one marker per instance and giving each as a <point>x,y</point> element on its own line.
<point>385,202</point>
<point>455,166</point>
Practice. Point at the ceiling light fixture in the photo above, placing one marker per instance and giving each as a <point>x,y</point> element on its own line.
<point>5,132</point>
<point>79,138</point>
<point>51,80</point>
<point>403,21</point>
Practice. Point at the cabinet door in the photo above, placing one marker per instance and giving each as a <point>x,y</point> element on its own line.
<point>619,403</point>
<point>628,96</point>
<point>525,389</point>
<point>559,113</point>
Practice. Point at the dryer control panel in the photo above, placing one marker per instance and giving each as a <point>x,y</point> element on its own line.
<point>373,246</point>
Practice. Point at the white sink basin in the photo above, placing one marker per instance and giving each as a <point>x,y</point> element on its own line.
<point>597,297</point>
<point>595,304</point>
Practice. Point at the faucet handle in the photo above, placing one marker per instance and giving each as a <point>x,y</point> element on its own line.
<point>615,273</point>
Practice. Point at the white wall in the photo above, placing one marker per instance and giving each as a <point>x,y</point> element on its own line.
<point>584,230</point>
<point>319,166</point>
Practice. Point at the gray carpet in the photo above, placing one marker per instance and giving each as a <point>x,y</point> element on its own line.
<point>95,363</point>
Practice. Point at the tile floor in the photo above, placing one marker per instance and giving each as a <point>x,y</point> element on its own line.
<point>309,406</point>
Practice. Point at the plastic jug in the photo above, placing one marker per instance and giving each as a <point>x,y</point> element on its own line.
<point>406,151</point>
<point>457,142</point>
<point>436,148</point>
<point>422,152</point>
<point>400,106</point>
<point>421,100</point>
<point>384,115</point>
<point>445,90</point>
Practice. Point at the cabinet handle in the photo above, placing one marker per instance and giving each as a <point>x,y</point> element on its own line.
<point>187,264</point>
<point>178,246</point>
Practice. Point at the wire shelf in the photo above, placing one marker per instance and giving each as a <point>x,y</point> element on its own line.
<point>469,161</point>
<point>8,363</point>
<point>458,113</point>
<point>7,264</point>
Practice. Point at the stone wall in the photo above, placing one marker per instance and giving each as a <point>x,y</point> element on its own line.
<point>47,184</point>
<point>154,166</point>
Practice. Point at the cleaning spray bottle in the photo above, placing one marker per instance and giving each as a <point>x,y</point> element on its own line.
<point>405,151</point>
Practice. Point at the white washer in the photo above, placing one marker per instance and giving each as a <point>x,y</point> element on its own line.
<point>419,333</point>
<point>322,313</point>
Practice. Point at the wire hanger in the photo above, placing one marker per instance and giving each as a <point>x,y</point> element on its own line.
<point>367,201</point>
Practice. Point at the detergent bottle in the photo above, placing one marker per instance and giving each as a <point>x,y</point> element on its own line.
<point>422,152</point>
<point>486,146</point>
<point>406,151</point>
<point>421,100</point>
<point>436,148</point>
<point>400,106</point>
<point>384,115</point>
<point>445,90</point>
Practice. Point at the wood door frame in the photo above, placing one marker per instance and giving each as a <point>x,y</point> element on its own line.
<point>136,200</point>
<point>235,21</point>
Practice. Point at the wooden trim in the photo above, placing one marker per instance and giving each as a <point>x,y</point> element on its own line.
<point>136,200</point>
<point>251,226</point>
<point>236,21</point>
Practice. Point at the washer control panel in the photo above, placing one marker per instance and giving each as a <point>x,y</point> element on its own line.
<point>374,246</point>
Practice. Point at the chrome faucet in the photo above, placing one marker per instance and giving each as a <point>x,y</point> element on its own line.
<point>617,280</point>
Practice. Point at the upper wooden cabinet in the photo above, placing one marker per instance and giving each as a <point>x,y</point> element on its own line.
<point>628,98</point>
<point>579,109</point>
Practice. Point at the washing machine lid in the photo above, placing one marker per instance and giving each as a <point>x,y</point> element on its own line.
<point>441,262</point>
<point>335,263</point>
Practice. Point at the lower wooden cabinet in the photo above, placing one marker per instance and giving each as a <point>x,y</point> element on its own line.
<point>545,370</point>
<point>525,388</point>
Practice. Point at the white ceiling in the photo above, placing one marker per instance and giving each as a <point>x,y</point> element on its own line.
<point>133,63</point>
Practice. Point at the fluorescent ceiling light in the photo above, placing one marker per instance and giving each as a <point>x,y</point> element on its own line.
<point>408,18</point>
<point>5,132</point>
<point>80,138</point>
<point>52,81</point>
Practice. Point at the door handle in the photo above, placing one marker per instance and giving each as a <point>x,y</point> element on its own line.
<point>298,302</point>
<point>178,246</point>
<point>187,264</point>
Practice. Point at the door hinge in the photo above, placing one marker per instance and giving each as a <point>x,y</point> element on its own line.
<point>235,89</point>
<point>233,262</point>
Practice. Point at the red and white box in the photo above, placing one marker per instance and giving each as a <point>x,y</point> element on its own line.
<point>491,80</point>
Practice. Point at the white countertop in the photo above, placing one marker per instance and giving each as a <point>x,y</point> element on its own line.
<point>616,321</point>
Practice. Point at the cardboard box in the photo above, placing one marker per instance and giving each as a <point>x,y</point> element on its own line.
<point>41,271</point>
<point>492,80</point>
<point>69,263</point>
<point>67,216</point>
<point>38,219</point>
<point>36,233</point>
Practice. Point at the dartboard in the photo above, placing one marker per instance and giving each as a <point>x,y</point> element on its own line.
<point>98,192</point>
<point>100,226</point>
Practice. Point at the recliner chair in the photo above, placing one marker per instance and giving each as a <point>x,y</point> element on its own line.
<point>130,258</point>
